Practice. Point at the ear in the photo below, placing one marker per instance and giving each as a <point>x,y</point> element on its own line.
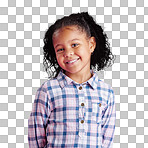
<point>92,44</point>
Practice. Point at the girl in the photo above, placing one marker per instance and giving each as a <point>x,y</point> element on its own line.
<point>74,108</point>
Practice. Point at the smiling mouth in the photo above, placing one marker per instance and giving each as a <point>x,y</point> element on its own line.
<point>73,61</point>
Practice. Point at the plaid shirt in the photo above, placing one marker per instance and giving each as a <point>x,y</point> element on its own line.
<point>68,114</point>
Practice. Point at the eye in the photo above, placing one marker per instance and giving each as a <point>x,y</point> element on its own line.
<point>60,50</point>
<point>75,45</point>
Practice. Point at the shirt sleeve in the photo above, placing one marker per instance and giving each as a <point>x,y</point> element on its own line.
<point>37,122</point>
<point>109,118</point>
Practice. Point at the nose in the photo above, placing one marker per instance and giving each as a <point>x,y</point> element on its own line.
<point>68,53</point>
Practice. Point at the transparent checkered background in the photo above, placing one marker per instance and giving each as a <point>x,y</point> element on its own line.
<point>22,27</point>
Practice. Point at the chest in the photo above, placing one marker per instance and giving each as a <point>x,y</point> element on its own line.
<point>77,103</point>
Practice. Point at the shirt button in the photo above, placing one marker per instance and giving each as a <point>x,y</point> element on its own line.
<point>80,87</point>
<point>82,104</point>
<point>82,121</point>
<point>100,105</point>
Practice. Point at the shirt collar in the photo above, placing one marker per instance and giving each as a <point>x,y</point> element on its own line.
<point>93,81</point>
<point>65,80</point>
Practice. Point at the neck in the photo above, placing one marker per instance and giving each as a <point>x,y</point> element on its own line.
<point>80,78</point>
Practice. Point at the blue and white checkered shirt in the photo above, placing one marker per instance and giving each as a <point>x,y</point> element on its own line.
<point>68,114</point>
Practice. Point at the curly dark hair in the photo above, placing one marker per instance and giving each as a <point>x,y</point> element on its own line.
<point>102,56</point>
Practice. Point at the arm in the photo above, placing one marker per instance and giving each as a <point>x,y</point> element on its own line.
<point>109,118</point>
<point>38,120</point>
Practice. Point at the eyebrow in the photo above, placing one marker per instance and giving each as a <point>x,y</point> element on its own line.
<point>68,41</point>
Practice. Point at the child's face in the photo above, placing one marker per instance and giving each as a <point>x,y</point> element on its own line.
<point>73,50</point>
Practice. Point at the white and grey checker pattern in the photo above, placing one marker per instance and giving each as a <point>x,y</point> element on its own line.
<point>22,27</point>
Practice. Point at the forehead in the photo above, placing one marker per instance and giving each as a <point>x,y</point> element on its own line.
<point>70,29</point>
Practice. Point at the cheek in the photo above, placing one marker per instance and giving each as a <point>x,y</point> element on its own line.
<point>59,59</point>
<point>85,52</point>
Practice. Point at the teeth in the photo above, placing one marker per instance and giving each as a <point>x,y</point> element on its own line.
<point>72,61</point>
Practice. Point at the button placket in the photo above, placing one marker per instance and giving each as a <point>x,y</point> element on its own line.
<point>81,111</point>
<point>81,96</point>
<point>80,88</point>
<point>82,121</point>
<point>82,104</point>
<point>81,128</point>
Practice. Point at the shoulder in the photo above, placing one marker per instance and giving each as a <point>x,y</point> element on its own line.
<point>50,88</point>
<point>100,84</point>
<point>49,84</point>
<point>105,86</point>
<point>105,89</point>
